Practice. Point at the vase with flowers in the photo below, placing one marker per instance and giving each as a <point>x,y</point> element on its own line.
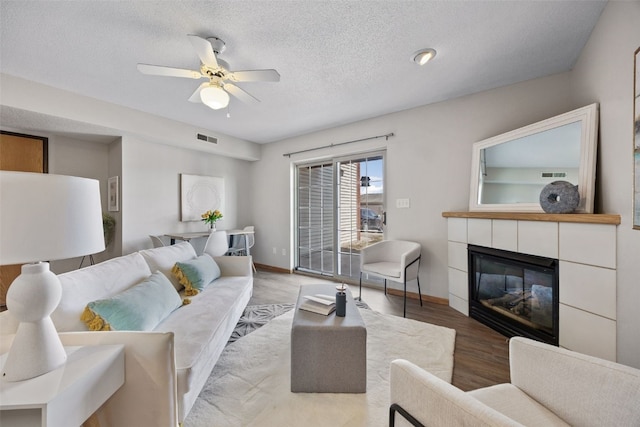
<point>210,218</point>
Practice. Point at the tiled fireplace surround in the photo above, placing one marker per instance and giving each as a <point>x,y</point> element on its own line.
<point>585,246</point>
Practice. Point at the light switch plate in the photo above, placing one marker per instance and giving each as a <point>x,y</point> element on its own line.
<point>403,203</point>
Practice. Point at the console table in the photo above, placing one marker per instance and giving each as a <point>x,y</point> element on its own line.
<point>66,396</point>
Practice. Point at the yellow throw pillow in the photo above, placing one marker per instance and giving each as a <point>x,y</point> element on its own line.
<point>196,274</point>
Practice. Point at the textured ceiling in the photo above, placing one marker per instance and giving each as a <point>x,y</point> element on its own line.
<point>339,61</point>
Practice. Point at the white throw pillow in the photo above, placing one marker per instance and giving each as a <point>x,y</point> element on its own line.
<point>95,282</point>
<point>163,259</point>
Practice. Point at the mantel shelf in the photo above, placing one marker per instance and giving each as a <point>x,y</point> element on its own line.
<point>534,216</point>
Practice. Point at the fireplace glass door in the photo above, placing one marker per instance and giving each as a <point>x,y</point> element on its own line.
<point>514,293</point>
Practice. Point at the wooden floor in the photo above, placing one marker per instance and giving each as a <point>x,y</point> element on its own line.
<point>481,354</point>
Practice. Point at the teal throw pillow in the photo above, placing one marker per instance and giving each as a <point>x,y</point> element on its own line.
<point>196,274</point>
<point>139,308</point>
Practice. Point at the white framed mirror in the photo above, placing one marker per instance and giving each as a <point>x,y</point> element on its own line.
<point>509,171</point>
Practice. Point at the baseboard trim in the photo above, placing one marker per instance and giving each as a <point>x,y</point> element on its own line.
<point>414,295</point>
<point>272,268</point>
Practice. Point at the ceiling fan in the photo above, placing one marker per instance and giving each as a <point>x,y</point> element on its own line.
<point>215,92</point>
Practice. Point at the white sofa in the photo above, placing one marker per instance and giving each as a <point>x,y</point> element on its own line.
<point>550,386</point>
<point>167,367</point>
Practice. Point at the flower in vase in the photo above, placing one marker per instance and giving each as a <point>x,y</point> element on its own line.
<point>210,217</point>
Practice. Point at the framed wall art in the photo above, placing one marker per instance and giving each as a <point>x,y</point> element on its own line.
<point>113,194</point>
<point>636,140</point>
<point>199,194</point>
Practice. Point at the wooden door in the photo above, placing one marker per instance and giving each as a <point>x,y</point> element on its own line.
<point>23,153</point>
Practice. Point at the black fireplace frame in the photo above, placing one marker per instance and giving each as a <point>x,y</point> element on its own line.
<point>503,324</point>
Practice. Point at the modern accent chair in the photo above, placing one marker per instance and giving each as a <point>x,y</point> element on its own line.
<point>241,246</point>
<point>217,244</point>
<point>157,241</point>
<point>550,386</point>
<point>394,260</point>
<point>242,241</point>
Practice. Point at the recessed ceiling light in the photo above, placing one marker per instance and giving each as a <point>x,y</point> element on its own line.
<point>423,56</point>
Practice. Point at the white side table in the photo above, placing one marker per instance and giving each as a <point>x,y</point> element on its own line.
<point>68,395</point>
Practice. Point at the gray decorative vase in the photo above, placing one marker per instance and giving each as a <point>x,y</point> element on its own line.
<point>559,197</point>
<point>341,304</point>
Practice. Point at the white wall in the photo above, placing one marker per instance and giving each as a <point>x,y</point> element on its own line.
<point>604,74</point>
<point>73,110</point>
<point>150,198</point>
<point>428,161</point>
<point>115,169</point>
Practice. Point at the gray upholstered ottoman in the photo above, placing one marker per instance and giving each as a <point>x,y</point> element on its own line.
<point>328,353</point>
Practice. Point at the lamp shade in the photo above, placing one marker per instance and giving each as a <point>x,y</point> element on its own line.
<point>46,217</point>
<point>214,97</point>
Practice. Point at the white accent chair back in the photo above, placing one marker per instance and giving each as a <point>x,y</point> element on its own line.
<point>251,238</point>
<point>217,244</point>
<point>157,241</point>
<point>394,260</point>
<point>550,386</point>
<point>242,242</point>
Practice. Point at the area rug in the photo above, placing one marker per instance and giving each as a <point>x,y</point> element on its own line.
<point>250,384</point>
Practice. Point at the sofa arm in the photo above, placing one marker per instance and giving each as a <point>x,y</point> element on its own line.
<point>234,265</point>
<point>148,396</point>
<point>582,390</point>
<point>434,402</point>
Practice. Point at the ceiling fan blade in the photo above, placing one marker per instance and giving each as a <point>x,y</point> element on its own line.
<point>241,94</point>
<point>255,76</point>
<point>159,70</point>
<point>195,97</point>
<point>204,50</point>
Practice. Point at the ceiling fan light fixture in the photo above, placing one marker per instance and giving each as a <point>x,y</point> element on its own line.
<point>214,97</point>
<point>423,56</point>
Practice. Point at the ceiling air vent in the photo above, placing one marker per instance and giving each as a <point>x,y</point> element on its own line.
<point>207,138</point>
<point>554,174</point>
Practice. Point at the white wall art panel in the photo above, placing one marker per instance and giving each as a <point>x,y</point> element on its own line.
<point>199,194</point>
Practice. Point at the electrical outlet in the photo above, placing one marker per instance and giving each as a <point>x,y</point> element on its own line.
<point>284,252</point>
<point>275,251</point>
<point>403,203</point>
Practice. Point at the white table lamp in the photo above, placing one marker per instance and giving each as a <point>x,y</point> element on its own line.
<point>43,217</point>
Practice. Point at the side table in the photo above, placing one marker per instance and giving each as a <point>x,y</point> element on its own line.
<point>66,396</point>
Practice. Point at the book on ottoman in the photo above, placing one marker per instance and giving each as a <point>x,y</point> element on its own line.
<point>319,303</point>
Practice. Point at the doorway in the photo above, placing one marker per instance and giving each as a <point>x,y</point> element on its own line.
<point>23,153</point>
<point>339,210</point>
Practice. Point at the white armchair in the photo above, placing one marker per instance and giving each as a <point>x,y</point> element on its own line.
<point>550,386</point>
<point>395,260</point>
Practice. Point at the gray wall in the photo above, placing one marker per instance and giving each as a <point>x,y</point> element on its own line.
<point>428,161</point>
<point>604,74</point>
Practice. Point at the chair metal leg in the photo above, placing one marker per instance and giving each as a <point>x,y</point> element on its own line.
<point>404,312</point>
<point>360,295</point>
<point>419,293</point>
<point>385,286</point>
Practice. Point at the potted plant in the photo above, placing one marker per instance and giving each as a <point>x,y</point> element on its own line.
<point>109,227</point>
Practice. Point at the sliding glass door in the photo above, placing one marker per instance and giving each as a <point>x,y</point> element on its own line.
<point>340,210</point>
<point>315,249</point>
